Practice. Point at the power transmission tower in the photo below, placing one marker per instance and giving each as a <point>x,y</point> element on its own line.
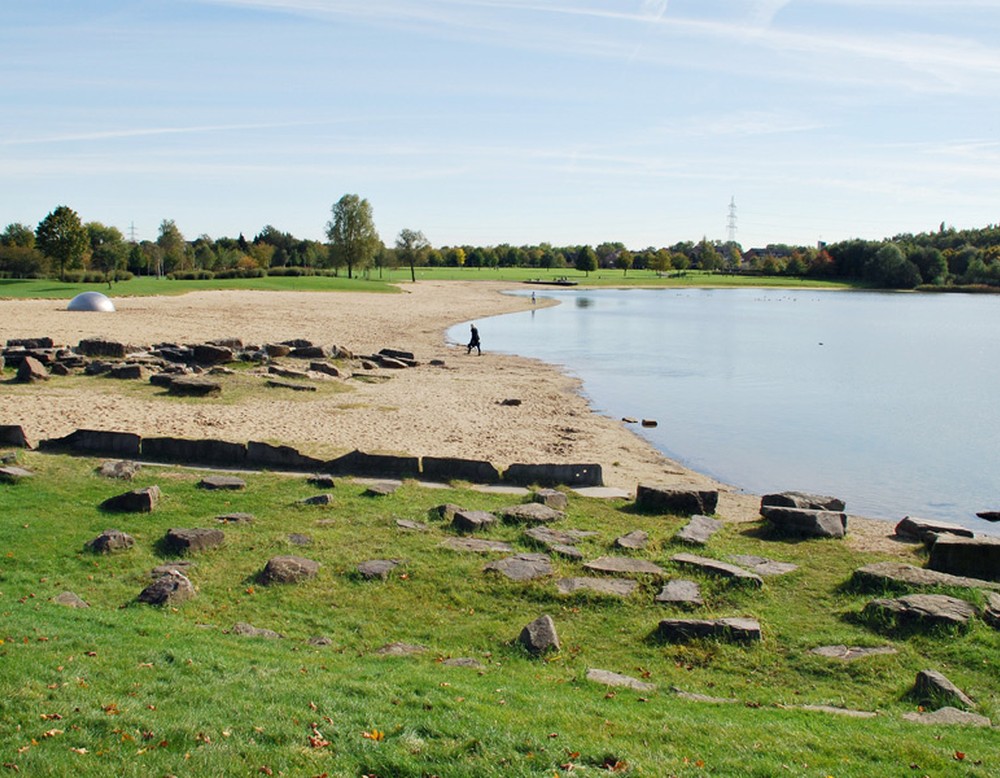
<point>131,232</point>
<point>731,221</point>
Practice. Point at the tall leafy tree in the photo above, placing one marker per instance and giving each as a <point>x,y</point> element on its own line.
<point>62,237</point>
<point>411,247</point>
<point>351,231</point>
<point>108,249</point>
<point>18,235</point>
<point>175,248</point>
<point>586,260</point>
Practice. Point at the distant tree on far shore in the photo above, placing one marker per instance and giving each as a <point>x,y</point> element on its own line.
<point>62,237</point>
<point>586,260</point>
<point>353,238</point>
<point>411,247</point>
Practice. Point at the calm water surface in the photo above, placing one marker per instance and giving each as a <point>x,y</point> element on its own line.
<point>886,400</point>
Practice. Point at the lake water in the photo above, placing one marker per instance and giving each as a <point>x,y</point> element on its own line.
<point>889,401</point>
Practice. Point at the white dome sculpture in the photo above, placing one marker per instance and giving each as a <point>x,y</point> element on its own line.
<point>91,301</point>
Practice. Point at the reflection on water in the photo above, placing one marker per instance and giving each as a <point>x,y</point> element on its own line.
<point>886,400</point>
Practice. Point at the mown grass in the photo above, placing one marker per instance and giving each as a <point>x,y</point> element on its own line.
<point>390,277</point>
<point>156,691</point>
<point>145,286</point>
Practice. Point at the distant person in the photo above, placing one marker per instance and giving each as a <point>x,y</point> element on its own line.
<point>474,341</point>
<point>532,298</point>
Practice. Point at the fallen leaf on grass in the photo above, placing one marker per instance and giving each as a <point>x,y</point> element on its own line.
<point>51,717</point>
<point>959,756</point>
<point>52,732</point>
<point>79,750</point>
<point>375,734</point>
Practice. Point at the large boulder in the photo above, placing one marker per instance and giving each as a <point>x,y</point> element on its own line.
<point>473,521</point>
<point>899,575</point>
<point>101,347</point>
<point>540,636</point>
<point>530,513</point>
<point>288,569</point>
<point>183,541</point>
<point>616,587</point>
<point>170,589</point>
<point>211,354</point>
<point>972,557</point>
<point>921,610</point>
<point>805,522</point>
<point>617,565</point>
<point>736,630</point>
<point>522,567</point>
<point>698,531</point>
<point>136,501</point>
<point>31,371</point>
<point>717,568</point>
<point>662,499</point>
<point>193,386</point>
<point>925,530</point>
<point>934,687</point>
<point>818,502</point>
<point>12,474</point>
<point>110,540</point>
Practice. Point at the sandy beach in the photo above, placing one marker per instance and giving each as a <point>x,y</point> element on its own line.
<point>454,409</point>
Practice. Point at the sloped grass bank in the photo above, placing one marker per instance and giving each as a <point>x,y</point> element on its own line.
<point>127,689</point>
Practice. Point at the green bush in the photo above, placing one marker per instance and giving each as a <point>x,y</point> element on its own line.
<point>191,275</point>
<point>250,272</point>
<point>291,271</point>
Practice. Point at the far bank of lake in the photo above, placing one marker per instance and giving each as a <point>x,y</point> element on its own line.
<point>885,399</point>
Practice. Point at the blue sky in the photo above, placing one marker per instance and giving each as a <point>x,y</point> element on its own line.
<point>517,121</point>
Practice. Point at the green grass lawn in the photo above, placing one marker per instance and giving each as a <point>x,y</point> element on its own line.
<point>144,286</point>
<point>384,282</point>
<point>131,690</point>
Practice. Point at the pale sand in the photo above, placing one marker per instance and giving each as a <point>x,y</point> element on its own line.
<point>453,410</point>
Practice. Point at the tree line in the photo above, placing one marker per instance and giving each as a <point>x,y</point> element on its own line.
<point>63,246</point>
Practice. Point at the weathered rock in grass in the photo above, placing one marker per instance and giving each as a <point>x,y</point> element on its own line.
<point>478,545</point>
<point>129,372</point>
<point>680,592</point>
<point>284,372</point>
<point>736,630</point>
<point>318,499</point>
<point>762,565</point>
<point>401,649</point>
<point>381,489</point>
<point>211,354</point>
<point>443,512</point>
<point>325,368</point>
<point>694,697</point>
<point>991,614</point>
<point>463,661</point>
<point>934,687</point>
<point>273,384</point>
<point>222,483</point>
<point>298,539</point>
<point>608,678</point>
<point>923,530</point>
<point>31,371</point>
<point>321,481</point>
<point>522,567</point>
<point>552,498</point>
<point>136,501</point>
<point>120,469</point>
<point>715,567</point>
<point>12,474</point>
<point>835,711</point>
<point>193,386</point>
<point>378,568</point>
<point>179,565</point>
<point>636,540</point>
<point>473,521</point>
<point>949,717</point>
<point>70,600</point>
<point>13,435</point>
<point>102,347</point>
<point>615,587</point>
<point>921,610</point>
<point>805,522</point>
<point>170,589</point>
<point>235,518</point>
<point>662,499</point>
<point>793,499</point>
<point>850,653</point>
<point>530,513</point>
<point>540,636</point>
<point>881,575</point>
<point>319,641</point>
<point>699,530</point>
<point>243,629</point>
<point>546,535</point>
<point>109,541</point>
<point>413,526</point>
<point>289,569</point>
<point>184,541</point>
<point>972,557</point>
<point>624,565</point>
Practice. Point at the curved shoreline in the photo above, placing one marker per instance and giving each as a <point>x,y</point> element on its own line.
<point>453,410</point>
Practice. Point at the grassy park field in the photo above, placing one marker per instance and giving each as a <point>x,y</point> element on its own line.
<point>123,688</point>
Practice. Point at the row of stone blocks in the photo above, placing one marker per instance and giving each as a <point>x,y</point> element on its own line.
<point>257,455</point>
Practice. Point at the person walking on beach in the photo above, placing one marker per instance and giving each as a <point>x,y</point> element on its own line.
<point>474,342</point>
